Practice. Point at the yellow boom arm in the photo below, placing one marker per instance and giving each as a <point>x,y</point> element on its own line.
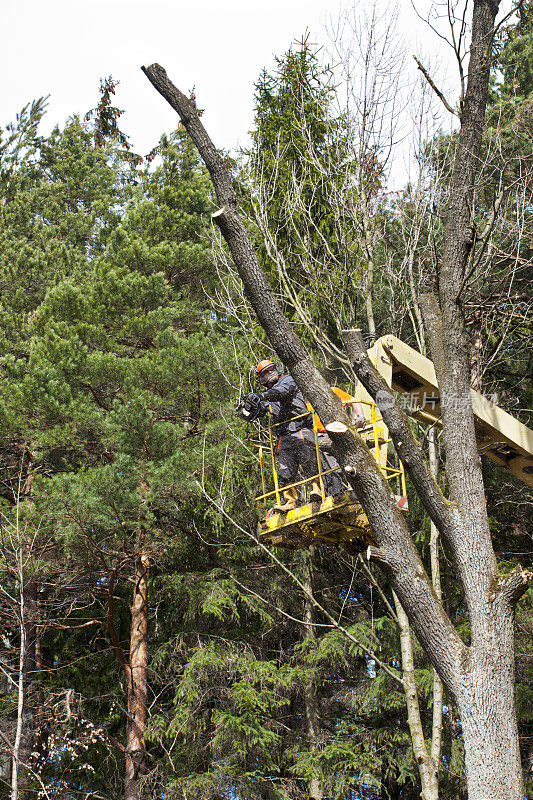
<point>501,437</point>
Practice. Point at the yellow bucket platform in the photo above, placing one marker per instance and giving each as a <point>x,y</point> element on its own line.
<point>336,523</point>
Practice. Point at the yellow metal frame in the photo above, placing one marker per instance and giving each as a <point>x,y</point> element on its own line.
<point>272,447</point>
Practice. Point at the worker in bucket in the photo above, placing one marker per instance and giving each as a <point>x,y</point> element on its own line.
<point>295,445</point>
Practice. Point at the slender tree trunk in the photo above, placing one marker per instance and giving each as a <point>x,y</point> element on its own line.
<point>137,670</point>
<point>20,695</point>
<point>369,277</point>
<point>137,679</point>
<point>316,791</point>
<point>427,762</point>
<point>476,353</point>
<point>312,720</point>
<point>30,730</point>
<point>419,328</point>
<point>438,690</point>
<point>427,768</point>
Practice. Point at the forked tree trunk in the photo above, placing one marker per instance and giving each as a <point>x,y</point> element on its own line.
<point>479,675</point>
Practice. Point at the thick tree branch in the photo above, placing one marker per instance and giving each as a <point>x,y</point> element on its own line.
<point>512,586</point>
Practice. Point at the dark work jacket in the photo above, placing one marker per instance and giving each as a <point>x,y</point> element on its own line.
<point>284,401</point>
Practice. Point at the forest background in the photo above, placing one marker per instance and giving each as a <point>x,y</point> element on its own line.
<point>149,647</point>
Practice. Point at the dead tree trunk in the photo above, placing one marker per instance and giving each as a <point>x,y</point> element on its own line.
<point>479,675</point>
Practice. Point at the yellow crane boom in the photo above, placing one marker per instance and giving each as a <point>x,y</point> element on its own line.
<point>500,436</point>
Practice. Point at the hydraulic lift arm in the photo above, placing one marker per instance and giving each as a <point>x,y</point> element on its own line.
<point>501,437</point>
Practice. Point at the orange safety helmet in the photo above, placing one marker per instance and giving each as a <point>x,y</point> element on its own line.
<point>263,367</point>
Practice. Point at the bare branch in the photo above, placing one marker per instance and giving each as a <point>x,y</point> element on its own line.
<point>437,91</point>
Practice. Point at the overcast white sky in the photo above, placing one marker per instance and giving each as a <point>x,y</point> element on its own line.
<point>63,48</point>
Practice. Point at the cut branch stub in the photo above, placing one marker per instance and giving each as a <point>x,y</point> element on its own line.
<point>336,427</point>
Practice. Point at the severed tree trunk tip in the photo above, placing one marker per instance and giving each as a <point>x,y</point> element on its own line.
<point>336,427</point>
<point>218,213</point>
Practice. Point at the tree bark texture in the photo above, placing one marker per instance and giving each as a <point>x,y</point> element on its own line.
<point>478,675</point>
<point>137,680</point>
<point>434,546</point>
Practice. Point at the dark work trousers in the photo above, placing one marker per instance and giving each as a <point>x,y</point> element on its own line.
<point>297,450</point>
<point>332,481</point>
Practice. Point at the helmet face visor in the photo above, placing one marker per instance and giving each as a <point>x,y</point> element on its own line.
<point>268,376</point>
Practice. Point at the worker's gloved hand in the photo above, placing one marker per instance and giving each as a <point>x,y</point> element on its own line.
<point>251,401</point>
<point>250,405</point>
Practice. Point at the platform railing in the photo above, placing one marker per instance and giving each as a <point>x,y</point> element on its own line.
<point>390,473</point>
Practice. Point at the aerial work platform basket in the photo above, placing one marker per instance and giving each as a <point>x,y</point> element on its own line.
<point>501,438</point>
<point>340,520</point>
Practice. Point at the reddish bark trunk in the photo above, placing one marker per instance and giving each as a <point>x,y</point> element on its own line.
<point>137,680</point>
